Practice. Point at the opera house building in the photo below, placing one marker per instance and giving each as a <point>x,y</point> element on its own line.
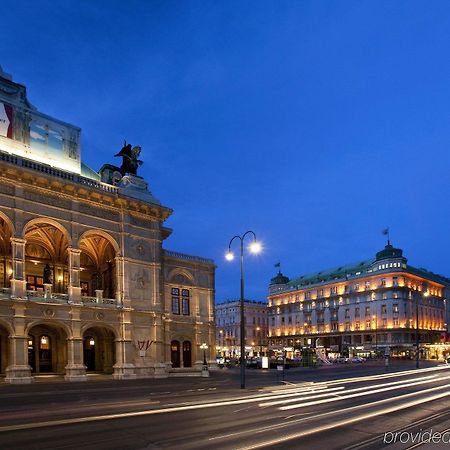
<point>85,283</point>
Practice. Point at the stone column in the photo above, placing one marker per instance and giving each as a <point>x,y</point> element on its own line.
<point>124,366</point>
<point>18,370</point>
<point>75,369</point>
<point>74,289</point>
<point>18,281</point>
<point>121,294</point>
<point>162,349</point>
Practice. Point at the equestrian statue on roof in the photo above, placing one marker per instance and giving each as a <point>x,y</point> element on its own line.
<point>130,161</point>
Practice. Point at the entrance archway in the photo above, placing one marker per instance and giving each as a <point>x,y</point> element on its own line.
<point>99,350</point>
<point>175,354</point>
<point>47,349</point>
<point>4,349</point>
<point>187,354</point>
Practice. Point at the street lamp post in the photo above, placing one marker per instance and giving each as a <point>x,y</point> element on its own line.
<point>376,334</point>
<point>255,247</point>
<point>204,347</point>
<point>425,294</point>
<point>258,329</point>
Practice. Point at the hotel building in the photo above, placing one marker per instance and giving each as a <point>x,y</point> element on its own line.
<point>85,283</point>
<point>372,306</point>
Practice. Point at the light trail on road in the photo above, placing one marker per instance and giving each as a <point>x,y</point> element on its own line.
<point>263,421</point>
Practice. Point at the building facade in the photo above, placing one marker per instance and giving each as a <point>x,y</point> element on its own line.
<point>85,283</point>
<point>365,308</point>
<point>228,328</point>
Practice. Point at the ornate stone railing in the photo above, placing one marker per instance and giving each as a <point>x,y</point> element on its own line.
<point>43,168</point>
<point>188,257</point>
<point>98,301</point>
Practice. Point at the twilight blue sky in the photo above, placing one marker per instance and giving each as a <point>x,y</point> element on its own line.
<point>314,123</point>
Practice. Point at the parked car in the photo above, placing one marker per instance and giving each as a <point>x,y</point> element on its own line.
<point>357,359</point>
<point>342,359</point>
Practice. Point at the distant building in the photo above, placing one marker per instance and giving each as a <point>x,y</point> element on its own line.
<point>361,308</point>
<point>85,283</point>
<point>228,331</point>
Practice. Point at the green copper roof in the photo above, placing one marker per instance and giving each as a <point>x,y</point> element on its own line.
<point>337,273</point>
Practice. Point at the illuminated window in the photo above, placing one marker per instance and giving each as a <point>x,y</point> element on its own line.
<point>395,308</point>
<point>44,343</point>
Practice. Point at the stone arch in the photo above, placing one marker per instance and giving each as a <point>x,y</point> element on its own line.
<point>51,323</point>
<point>107,326</point>
<point>181,276</point>
<point>8,327</point>
<point>8,222</point>
<point>46,220</point>
<point>103,234</point>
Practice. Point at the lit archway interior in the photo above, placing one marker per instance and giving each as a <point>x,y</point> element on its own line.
<point>98,267</point>
<point>99,350</point>
<point>46,247</point>
<point>47,349</point>
<point>5,254</point>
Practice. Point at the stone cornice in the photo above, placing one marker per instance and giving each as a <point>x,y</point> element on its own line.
<point>49,185</point>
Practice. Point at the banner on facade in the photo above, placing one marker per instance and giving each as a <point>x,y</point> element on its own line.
<point>6,120</point>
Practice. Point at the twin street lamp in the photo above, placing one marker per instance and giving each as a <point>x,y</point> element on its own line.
<point>254,247</point>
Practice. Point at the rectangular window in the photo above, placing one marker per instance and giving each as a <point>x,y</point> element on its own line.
<point>367,311</point>
<point>185,305</point>
<point>395,308</point>
<point>175,301</point>
<point>347,314</point>
<point>383,309</point>
<point>356,312</point>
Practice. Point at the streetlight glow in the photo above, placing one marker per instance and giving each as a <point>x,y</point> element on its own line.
<point>255,247</point>
<point>229,255</point>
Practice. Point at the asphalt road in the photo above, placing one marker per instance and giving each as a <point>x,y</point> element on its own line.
<point>343,407</point>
